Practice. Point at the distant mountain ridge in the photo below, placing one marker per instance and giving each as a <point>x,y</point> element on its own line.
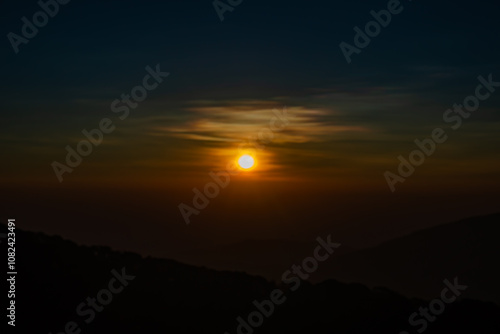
<point>416,264</point>
<point>413,265</point>
<point>257,257</point>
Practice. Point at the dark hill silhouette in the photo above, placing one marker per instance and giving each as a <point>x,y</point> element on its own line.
<point>56,275</point>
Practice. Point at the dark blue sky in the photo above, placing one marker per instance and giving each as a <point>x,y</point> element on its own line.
<point>274,52</point>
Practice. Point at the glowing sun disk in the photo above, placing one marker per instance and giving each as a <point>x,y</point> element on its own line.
<point>246,161</point>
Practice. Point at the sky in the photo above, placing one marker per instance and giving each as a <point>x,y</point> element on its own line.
<point>347,125</point>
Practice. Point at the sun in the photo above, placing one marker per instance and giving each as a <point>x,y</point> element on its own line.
<point>246,161</point>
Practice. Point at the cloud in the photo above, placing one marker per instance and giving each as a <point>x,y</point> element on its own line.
<point>235,121</point>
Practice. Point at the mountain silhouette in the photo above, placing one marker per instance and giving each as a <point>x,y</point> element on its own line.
<point>164,296</point>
